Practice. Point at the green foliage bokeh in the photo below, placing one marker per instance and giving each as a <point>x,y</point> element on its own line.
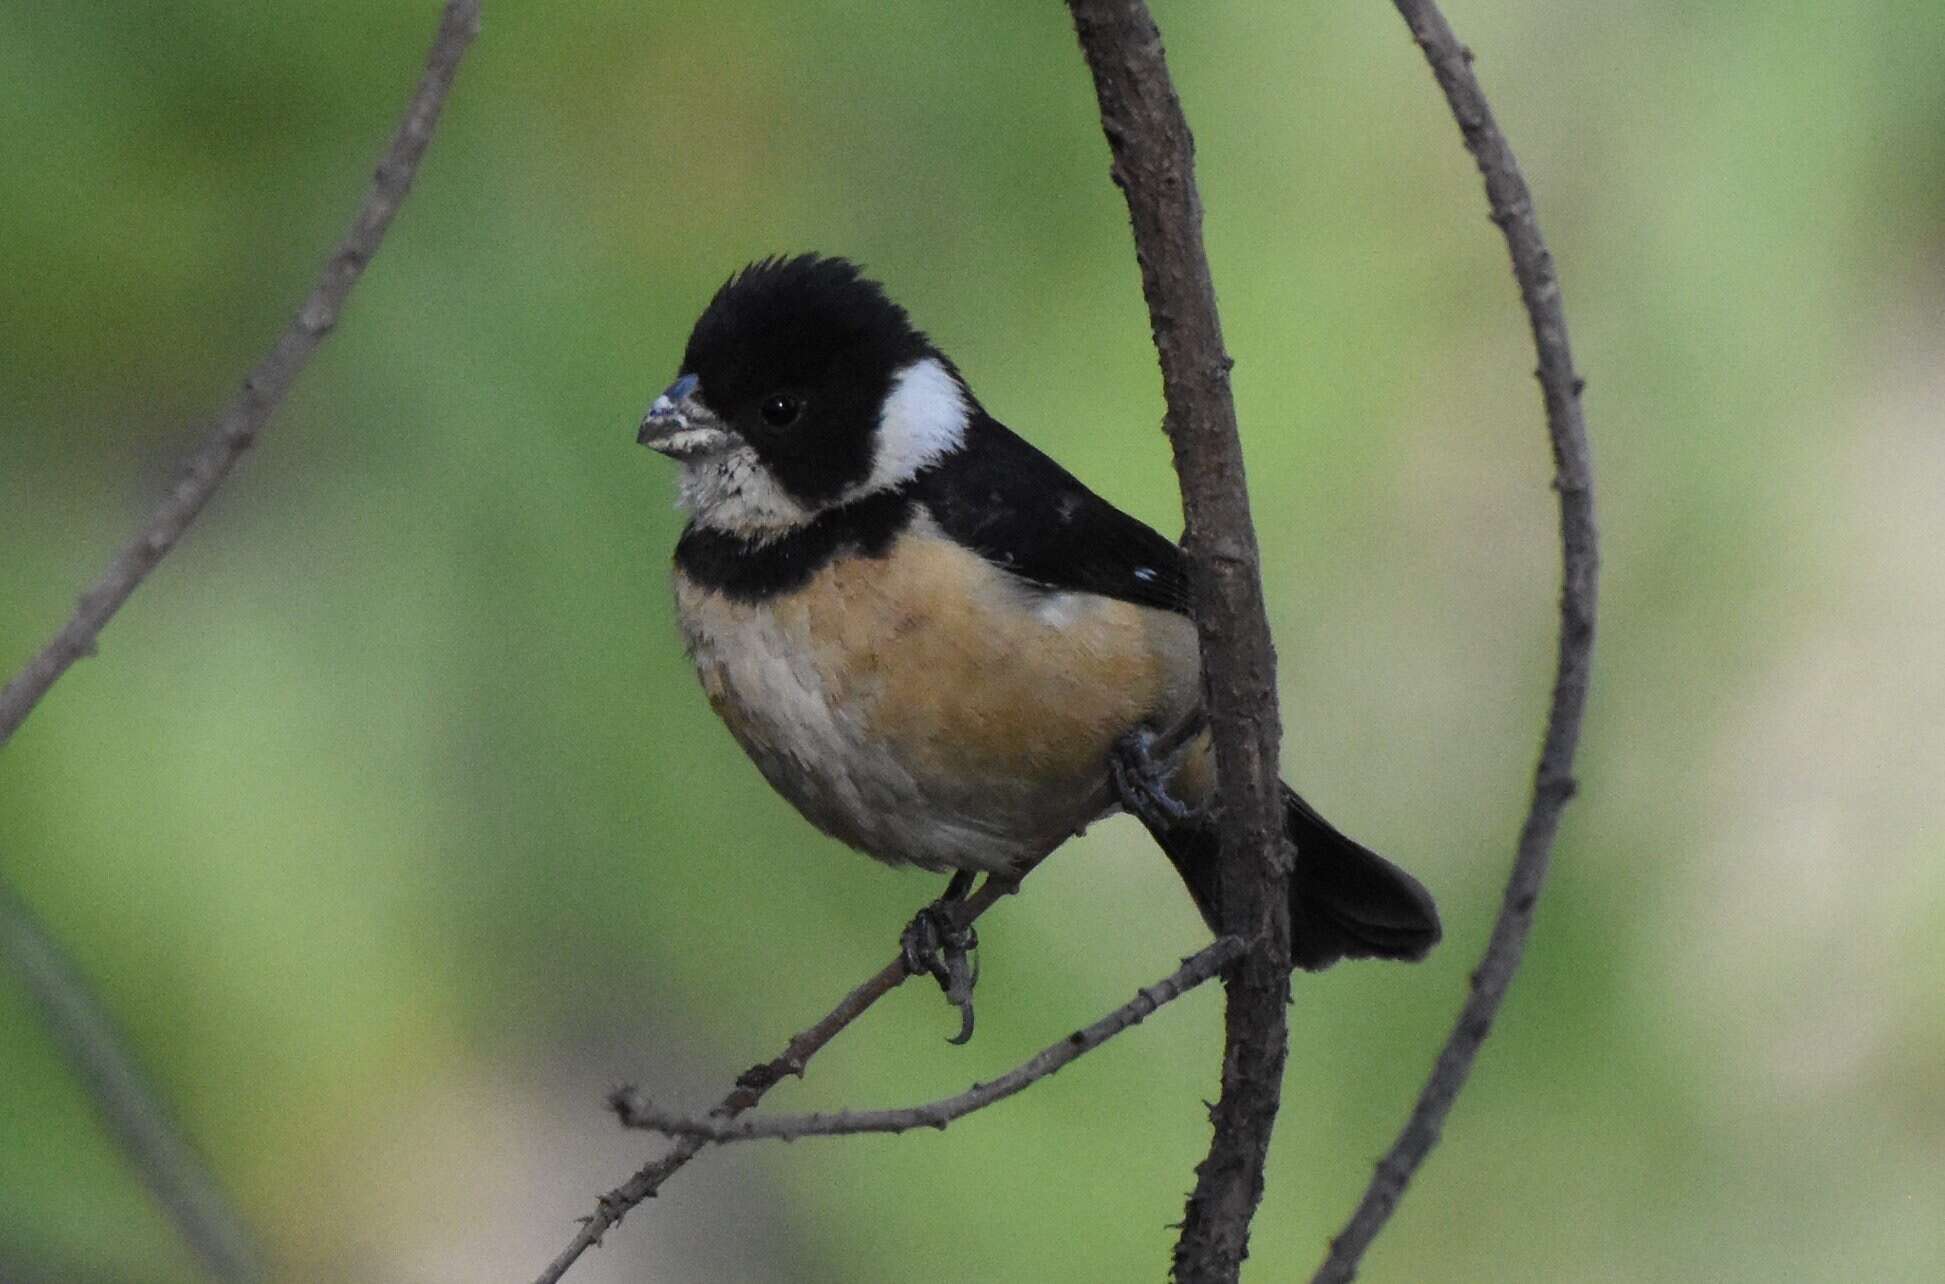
<point>392,828</point>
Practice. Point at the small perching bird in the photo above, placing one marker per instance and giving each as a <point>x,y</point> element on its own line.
<point>936,643</point>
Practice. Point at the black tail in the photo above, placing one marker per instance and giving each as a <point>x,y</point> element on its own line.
<point>1346,901</point>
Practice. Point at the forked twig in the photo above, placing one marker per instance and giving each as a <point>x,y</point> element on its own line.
<point>752,1084</point>
<point>1154,167</point>
<point>635,1111</point>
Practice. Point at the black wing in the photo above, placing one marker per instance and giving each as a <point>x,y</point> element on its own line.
<point>1025,513</point>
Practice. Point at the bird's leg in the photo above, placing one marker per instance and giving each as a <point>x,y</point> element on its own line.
<point>935,945</point>
<point>1141,783</point>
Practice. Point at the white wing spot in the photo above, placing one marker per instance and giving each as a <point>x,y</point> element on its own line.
<point>1058,610</point>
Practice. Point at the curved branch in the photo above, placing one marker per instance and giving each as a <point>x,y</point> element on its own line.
<point>162,1159</point>
<point>637,1112</point>
<point>264,388</point>
<point>752,1084</point>
<point>1512,210</point>
<point>1154,165</point>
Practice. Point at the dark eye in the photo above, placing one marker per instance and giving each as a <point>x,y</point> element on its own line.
<point>780,409</point>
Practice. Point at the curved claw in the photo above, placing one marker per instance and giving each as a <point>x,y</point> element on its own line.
<point>962,966</point>
<point>931,946</point>
<point>965,1026</point>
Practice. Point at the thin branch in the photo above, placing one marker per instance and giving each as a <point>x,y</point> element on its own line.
<point>176,1176</point>
<point>1512,210</point>
<point>1154,165</point>
<point>637,1112</point>
<point>752,1084</point>
<point>264,389</point>
<point>129,1105</point>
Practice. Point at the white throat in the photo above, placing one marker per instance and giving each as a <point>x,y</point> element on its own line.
<point>734,493</point>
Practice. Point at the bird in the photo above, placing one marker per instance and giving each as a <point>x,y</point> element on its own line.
<point>933,640</point>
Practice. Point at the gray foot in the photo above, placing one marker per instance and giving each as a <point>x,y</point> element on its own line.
<point>1142,785</point>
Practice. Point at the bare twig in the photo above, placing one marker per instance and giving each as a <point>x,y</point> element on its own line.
<point>176,1176</point>
<point>752,1084</point>
<point>78,1024</point>
<point>1153,156</point>
<point>1154,165</point>
<point>637,1112</point>
<point>264,388</point>
<point>1512,210</point>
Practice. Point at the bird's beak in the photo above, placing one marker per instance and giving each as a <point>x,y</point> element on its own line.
<point>680,426</point>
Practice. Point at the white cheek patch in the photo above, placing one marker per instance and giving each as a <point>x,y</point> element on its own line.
<point>923,421</point>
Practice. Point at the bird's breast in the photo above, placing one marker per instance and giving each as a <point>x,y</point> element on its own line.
<point>926,706</point>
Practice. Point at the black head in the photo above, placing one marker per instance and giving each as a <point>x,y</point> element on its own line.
<point>796,357</point>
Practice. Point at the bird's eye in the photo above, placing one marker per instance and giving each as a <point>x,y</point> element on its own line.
<point>780,409</point>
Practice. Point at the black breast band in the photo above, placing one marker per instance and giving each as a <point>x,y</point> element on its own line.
<point>749,571</point>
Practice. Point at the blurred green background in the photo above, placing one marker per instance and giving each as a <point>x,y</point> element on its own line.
<point>394,830</point>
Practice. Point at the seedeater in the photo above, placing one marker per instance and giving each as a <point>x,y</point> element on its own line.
<point>942,648</point>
